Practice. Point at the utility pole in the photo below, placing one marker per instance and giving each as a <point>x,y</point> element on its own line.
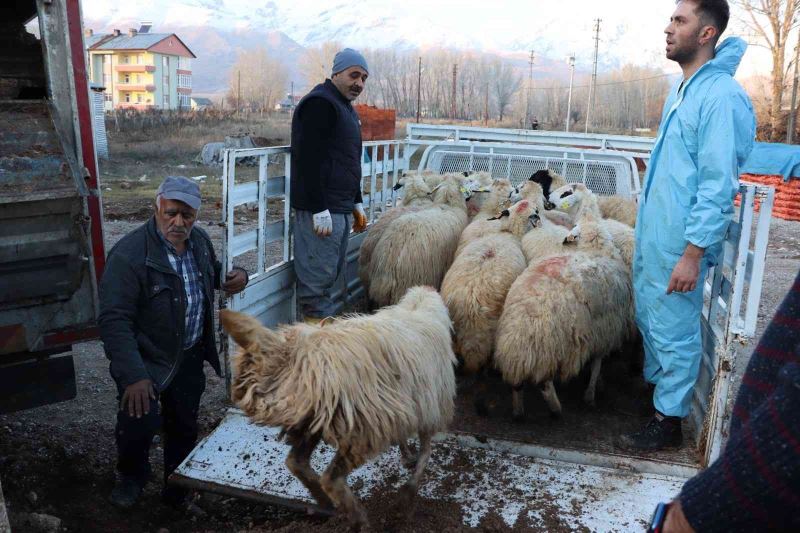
<point>453,97</point>
<point>793,108</point>
<point>419,86</point>
<point>486,107</point>
<point>593,85</point>
<point>530,90</point>
<point>571,79</point>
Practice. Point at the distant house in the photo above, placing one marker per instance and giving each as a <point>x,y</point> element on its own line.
<point>141,70</point>
<point>288,104</point>
<point>198,103</point>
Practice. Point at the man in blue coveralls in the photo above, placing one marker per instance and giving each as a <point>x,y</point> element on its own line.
<point>707,131</point>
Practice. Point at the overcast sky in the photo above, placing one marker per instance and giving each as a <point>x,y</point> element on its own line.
<point>632,30</point>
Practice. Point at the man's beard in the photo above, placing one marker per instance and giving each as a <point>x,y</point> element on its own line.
<point>685,53</point>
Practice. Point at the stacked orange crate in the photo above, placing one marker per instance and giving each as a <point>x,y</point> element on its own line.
<point>787,195</point>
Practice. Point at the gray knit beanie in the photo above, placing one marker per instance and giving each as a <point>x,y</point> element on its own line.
<point>348,58</point>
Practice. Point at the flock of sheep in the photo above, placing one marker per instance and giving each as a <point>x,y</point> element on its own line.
<point>533,281</point>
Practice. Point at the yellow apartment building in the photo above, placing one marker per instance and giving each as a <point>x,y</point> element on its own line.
<point>141,70</point>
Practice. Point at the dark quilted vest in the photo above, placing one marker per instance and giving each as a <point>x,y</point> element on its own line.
<point>341,167</point>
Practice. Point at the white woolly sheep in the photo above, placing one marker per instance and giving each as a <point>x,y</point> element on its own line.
<point>418,248</point>
<point>475,287</point>
<point>361,384</point>
<point>481,224</point>
<point>575,199</point>
<point>618,208</point>
<point>417,196</point>
<point>562,312</point>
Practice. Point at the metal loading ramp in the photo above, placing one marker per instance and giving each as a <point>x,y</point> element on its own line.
<point>244,460</point>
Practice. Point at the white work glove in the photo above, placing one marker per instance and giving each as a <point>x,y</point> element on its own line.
<point>323,223</point>
<point>359,218</point>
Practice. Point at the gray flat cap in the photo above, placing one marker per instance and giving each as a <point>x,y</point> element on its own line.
<point>181,189</point>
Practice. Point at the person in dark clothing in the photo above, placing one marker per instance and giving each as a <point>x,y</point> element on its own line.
<point>755,483</point>
<point>157,327</point>
<point>326,182</point>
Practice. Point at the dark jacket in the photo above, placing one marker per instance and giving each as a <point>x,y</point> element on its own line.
<point>326,152</point>
<point>143,306</point>
<point>755,484</point>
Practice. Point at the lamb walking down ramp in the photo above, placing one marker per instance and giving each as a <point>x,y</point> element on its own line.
<point>361,384</point>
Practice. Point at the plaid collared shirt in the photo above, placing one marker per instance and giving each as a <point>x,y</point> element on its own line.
<point>186,267</point>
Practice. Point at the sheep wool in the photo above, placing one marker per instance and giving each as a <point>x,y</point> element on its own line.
<point>562,312</point>
<point>476,285</point>
<point>481,225</point>
<point>418,247</point>
<point>361,384</point>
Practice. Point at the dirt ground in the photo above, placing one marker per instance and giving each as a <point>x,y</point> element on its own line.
<point>59,459</point>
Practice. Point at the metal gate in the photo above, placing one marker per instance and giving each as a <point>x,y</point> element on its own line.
<point>265,247</point>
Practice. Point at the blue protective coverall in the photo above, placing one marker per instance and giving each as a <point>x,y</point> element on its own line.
<point>707,131</point>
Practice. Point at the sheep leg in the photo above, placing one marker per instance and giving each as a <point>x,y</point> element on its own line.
<point>518,402</point>
<point>548,391</point>
<point>407,454</point>
<point>334,483</point>
<point>589,395</point>
<point>412,485</point>
<point>298,463</point>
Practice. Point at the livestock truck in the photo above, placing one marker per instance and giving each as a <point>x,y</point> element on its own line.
<point>538,471</point>
<point>51,243</point>
<point>51,257</point>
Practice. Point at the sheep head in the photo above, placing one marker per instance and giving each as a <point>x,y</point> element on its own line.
<point>449,193</point>
<point>414,188</point>
<point>533,191</point>
<point>576,200</point>
<point>592,236</point>
<point>520,218</point>
<point>263,354</point>
<point>548,180</point>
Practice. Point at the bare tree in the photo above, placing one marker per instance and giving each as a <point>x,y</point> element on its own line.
<point>316,63</point>
<point>263,80</point>
<point>506,82</point>
<point>772,21</point>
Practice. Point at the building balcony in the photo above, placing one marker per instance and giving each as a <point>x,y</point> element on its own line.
<point>135,68</point>
<point>135,87</point>
<point>184,72</point>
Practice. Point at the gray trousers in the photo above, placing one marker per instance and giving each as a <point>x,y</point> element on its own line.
<point>318,263</point>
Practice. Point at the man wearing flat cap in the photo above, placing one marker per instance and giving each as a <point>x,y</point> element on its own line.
<point>326,182</point>
<point>157,326</point>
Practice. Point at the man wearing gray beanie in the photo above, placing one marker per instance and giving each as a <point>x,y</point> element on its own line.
<point>326,182</point>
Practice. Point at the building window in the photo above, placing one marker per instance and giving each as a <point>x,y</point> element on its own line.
<point>185,81</point>
<point>107,96</point>
<point>184,63</point>
<point>184,101</point>
<point>165,80</point>
<point>126,78</point>
<point>124,60</point>
<point>127,97</point>
<point>138,98</point>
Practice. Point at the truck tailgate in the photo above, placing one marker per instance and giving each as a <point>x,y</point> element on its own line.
<point>244,460</point>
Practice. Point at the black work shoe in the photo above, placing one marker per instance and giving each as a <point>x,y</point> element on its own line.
<point>126,492</point>
<point>662,432</point>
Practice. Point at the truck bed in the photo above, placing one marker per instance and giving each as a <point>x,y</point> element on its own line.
<point>244,460</point>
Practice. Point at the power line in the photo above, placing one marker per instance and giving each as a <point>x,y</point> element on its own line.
<point>605,84</point>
